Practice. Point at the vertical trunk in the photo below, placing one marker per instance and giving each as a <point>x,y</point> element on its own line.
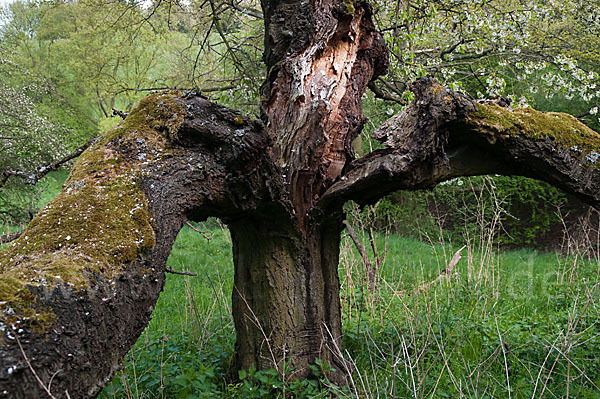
<point>320,54</point>
<point>286,295</point>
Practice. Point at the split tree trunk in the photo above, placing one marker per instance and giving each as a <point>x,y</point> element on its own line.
<point>78,287</point>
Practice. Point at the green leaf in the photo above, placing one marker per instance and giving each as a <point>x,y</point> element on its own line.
<point>242,374</point>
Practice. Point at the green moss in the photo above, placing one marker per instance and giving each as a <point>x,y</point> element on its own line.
<point>238,121</point>
<point>100,223</point>
<point>564,129</point>
<point>157,112</point>
<point>350,9</point>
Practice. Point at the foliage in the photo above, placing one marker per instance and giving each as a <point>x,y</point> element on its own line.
<point>30,137</point>
<point>529,51</point>
<point>524,210</point>
<point>270,384</point>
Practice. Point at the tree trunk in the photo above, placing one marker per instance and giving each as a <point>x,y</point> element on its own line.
<point>79,285</point>
<point>286,295</point>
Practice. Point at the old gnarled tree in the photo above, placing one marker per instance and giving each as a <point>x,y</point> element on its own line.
<point>79,285</point>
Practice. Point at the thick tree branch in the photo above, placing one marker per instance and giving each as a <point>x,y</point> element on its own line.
<point>95,256</point>
<point>443,134</point>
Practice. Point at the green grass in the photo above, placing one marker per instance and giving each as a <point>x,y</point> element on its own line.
<point>406,339</point>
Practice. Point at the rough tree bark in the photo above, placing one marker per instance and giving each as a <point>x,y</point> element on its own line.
<point>78,287</point>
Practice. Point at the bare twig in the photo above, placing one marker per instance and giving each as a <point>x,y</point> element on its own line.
<point>248,11</point>
<point>34,177</point>
<point>217,23</point>
<point>201,90</point>
<point>38,379</point>
<point>191,226</point>
<point>6,238</point>
<point>384,94</point>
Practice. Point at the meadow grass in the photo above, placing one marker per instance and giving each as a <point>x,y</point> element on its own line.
<point>518,324</point>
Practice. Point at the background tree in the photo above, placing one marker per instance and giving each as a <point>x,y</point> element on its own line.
<point>29,137</point>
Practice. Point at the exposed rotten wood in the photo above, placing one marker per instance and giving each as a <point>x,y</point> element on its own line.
<point>313,107</point>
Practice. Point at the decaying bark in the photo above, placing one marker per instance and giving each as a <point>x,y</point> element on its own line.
<point>78,287</point>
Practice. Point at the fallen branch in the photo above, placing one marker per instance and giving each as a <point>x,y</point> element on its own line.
<point>172,271</point>
<point>446,273</point>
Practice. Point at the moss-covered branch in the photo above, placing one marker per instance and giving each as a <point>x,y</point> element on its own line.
<point>443,134</point>
<point>564,130</point>
<point>79,285</point>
